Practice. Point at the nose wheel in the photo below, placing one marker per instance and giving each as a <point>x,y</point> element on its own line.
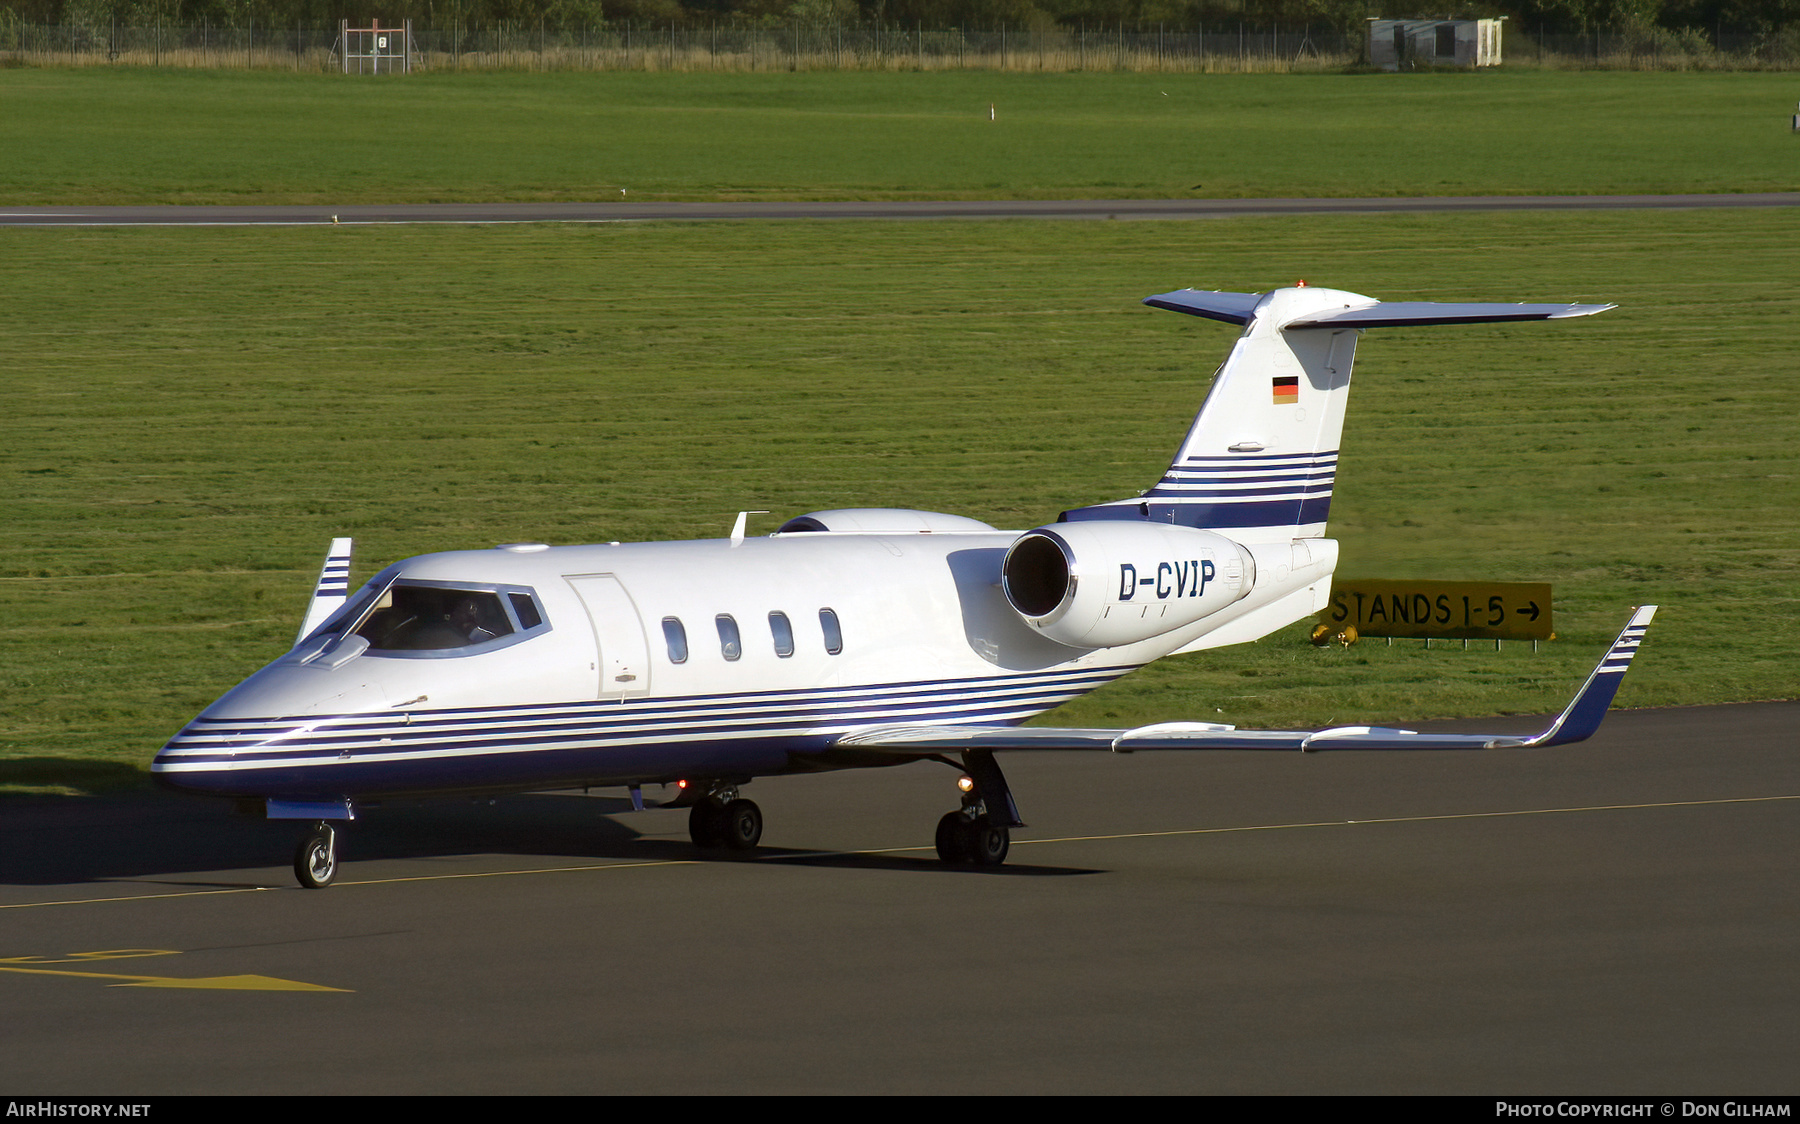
<point>315,860</point>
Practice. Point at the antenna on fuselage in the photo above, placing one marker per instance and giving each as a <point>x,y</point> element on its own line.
<point>737,529</point>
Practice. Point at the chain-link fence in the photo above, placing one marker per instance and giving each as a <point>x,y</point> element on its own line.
<point>738,47</point>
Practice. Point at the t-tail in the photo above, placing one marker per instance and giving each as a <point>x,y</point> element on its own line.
<point>1260,460</point>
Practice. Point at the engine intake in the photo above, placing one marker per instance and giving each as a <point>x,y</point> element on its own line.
<point>1102,584</point>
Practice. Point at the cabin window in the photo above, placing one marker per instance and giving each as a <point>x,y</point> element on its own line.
<point>729,644</point>
<point>676,636</point>
<point>834,636</point>
<point>414,618</point>
<point>783,632</point>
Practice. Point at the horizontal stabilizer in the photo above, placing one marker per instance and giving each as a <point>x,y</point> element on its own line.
<point>1577,722</point>
<point>1241,308</point>
<point>1232,308</point>
<point>1400,314</point>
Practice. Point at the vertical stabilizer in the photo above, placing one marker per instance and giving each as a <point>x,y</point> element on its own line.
<point>1261,457</point>
<point>1260,460</point>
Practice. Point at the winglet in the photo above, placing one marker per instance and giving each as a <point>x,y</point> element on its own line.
<point>1582,716</point>
<point>332,590</point>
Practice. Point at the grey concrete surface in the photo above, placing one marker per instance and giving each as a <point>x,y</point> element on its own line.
<point>1617,916</point>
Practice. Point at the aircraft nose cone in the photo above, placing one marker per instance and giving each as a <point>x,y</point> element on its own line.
<point>196,758</point>
<point>287,690</point>
<point>259,722</point>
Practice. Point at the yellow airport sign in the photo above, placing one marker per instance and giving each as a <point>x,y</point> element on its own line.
<point>1454,610</point>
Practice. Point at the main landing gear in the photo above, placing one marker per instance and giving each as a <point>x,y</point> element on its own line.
<point>315,860</point>
<point>970,837</point>
<point>722,818</point>
<point>977,834</point>
<point>980,833</point>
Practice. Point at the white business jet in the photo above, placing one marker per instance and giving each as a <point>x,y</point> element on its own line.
<point>846,639</point>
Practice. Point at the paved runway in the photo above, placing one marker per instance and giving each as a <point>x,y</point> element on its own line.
<point>1615,916</point>
<point>624,211</point>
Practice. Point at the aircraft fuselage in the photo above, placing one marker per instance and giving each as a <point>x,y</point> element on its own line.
<point>655,662</point>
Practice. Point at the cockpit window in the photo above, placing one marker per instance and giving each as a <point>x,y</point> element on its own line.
<point>526,610</point>
<point>435,619</point>
<point>412,618</point>
<point>352,610</point>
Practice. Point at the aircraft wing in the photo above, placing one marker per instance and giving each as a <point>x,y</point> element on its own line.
<point>1577,722</point>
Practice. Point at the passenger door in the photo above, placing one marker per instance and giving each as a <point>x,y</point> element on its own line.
<point>624,665</point>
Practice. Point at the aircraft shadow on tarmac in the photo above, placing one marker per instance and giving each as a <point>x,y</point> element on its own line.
<point>922,860</point>
<point>156,837</point>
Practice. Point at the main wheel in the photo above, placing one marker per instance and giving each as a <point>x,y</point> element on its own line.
<point>706,824</point>
<point>743,825</point>
<point>315,860</point>
<point>987,844</point>
<point>952,844</point>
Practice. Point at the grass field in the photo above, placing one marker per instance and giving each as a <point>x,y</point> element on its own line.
<point>191,414</point>
<point>95,136</point>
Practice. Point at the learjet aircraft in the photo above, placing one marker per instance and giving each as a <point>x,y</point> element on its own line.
<point>845,639</point>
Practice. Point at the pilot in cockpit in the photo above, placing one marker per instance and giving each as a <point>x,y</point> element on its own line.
<point>422,618</point>
<point>466,618</point>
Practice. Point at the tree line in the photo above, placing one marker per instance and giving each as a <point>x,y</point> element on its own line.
<point>1689,17</point>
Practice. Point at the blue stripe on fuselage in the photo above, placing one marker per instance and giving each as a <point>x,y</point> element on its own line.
<point>594,742</point>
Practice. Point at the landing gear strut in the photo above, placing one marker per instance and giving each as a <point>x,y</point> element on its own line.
<point>981,832</point>
<point>315,859</point>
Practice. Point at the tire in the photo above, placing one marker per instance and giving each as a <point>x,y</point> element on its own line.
<point>315,860</point>
<point>952,845</point>
<point>706,824</point>
<point>987,844</point>
<point>742,823</point>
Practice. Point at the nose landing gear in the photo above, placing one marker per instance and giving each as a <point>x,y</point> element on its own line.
<point>315,859</point>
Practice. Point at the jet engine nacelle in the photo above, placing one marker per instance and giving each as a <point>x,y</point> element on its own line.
<point>1104,583</point>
